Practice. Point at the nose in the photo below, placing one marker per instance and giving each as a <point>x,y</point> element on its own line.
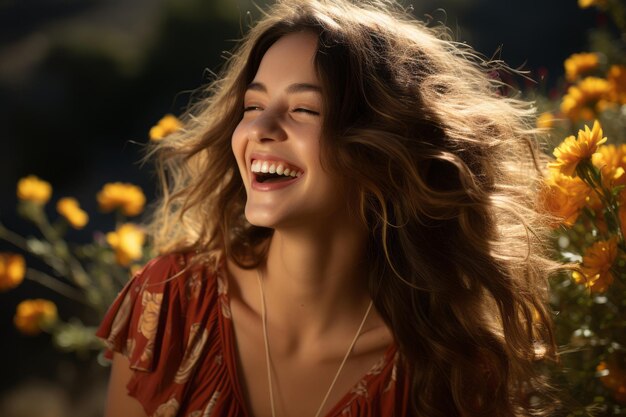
<point>266,127</point>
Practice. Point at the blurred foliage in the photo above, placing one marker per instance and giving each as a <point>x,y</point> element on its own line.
<point>584,189</point>
<point>89,274</point>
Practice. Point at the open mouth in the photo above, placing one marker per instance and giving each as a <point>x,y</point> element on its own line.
<point>274,171</point>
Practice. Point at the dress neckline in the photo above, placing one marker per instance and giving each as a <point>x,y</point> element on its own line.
<point>229,342</point>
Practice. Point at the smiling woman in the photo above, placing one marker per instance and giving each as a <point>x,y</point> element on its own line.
<point>347,228</point>
<point>280,129</point>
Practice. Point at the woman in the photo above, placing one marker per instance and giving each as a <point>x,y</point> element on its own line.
<point>348,228</point>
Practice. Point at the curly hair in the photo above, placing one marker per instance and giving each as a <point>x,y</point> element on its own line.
<point>445,175</point>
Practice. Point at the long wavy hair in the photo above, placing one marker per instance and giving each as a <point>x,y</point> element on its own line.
<point>444,167</point>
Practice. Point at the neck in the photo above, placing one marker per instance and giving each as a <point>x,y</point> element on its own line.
<point>312,278</point>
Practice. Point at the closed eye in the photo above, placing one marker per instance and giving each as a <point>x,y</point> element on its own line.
<point>307,111</point>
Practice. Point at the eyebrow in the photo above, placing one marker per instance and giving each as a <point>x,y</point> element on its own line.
<point>293,88</point>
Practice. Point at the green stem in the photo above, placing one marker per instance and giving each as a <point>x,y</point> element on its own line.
<point>13,238</point>
<point>77,272</point>
<point>56,285</point>
<point>120,218</point>
<point>593,177</point>
<point>21,243</point>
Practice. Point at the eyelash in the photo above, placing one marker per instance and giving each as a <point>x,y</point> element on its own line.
<point>298,110</point>
<point>302,110</point>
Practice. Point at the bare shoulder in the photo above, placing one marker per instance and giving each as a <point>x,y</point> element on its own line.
<point>118,402</point>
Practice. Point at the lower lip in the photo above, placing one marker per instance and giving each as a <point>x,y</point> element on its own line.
<point>271,186</point>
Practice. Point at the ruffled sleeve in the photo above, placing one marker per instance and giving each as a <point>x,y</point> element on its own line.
<point>160,322</point>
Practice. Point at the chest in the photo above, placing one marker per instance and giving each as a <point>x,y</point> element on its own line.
<point>299,387</point>
<point>301,383</point>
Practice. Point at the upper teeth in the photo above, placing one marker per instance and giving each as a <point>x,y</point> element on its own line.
<point>272,167</point>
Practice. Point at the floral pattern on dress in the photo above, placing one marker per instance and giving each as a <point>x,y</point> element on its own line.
<point>208,410</point>
<point>346,412</point>
<point>149,321</point>
<point>169,409</point>
<point>129,348</point>
<point>222,291</point>
<point>197,339</point>
<point>378,366</point>
<point>394,373</point>
<point>121,320</point>
<point>360,389</point>
<point>193,286</point>
<point>219,359</point>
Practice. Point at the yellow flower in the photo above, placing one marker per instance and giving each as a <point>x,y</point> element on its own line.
<point>578,64</point>
<point>127,197</point>
<point>611,161</point>
<point>69,208</point>
<point>584,4</point>
<point>564,197</point>
<point>597,262</point>
<point>32,316</point>
<point>617,83</point>
<point>127,241</point>
<point>12,270</point>
<point>586,99</point>
<point>167,125</point>
<point>545,120</point>
<point>573,150</point>
<point>34,189</point>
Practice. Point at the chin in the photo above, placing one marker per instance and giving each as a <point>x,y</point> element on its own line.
<point>260,218</point>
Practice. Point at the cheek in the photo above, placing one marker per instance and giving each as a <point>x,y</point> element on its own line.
<point>238,145</point>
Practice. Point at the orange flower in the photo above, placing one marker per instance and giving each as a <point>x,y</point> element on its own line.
<point>597,262</point>
<point>33,189</point>
<point>578,64</point>
<point>69,208</point>
<point>12,270</point>
<point>127,241</point>
<point>127,197</point>
<point>33,316</point>
<point>573,150</point>
<point>584,4</point>
<point>613,378</point>
<point>564,196</point>
<point>617,83</point>
<point>166,126</point>
<point>586,99</point>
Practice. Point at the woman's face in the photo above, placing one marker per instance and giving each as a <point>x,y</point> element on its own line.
<point>277,142</point>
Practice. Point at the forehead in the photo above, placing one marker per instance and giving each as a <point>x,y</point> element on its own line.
<point>290,59</point>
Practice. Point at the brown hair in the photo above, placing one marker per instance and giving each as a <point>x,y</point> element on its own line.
<point>445,169</point>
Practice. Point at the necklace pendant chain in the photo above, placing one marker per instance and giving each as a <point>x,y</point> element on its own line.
<point>267,350</point>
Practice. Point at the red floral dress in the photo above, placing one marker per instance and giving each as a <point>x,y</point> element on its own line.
<point>174,325</point>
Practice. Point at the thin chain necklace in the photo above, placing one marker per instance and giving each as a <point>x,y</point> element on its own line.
<point>267,350</point>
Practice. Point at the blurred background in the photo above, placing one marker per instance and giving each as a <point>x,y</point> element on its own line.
<point>82,82</point>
